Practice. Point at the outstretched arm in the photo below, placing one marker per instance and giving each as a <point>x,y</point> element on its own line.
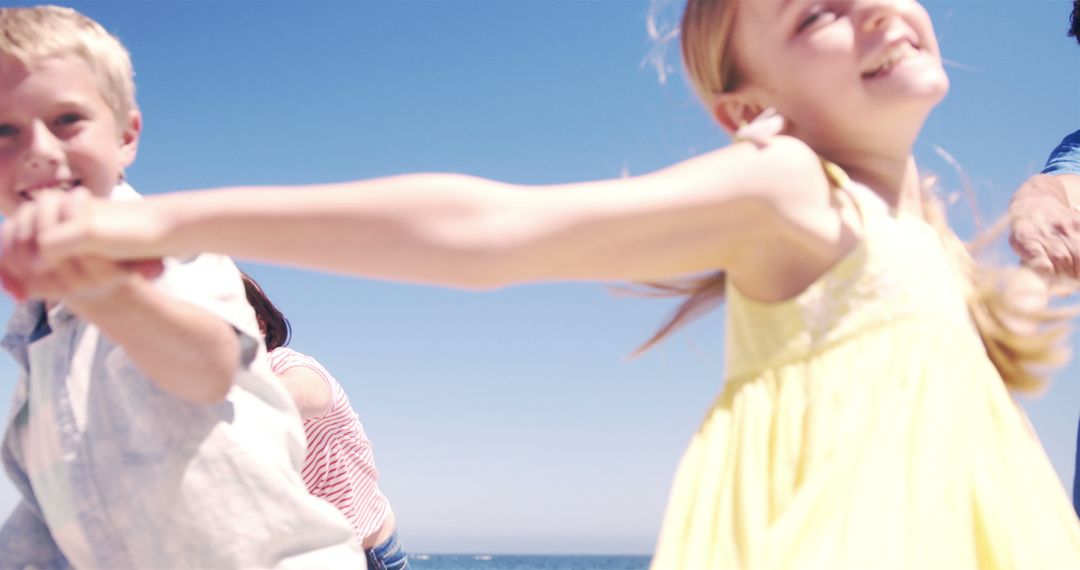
<point>184,349</point>
<point>468,232</point>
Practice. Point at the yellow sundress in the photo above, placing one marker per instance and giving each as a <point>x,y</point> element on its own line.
<point>862,425</point>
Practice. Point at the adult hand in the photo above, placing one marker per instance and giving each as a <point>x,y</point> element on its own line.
<point>1045,228</point>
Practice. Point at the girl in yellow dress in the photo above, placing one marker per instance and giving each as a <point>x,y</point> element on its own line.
<point>865,421</point>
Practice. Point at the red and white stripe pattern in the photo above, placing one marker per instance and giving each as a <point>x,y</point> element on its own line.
<point>340,466</point>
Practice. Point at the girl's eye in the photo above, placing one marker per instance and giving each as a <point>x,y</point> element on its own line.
<point>816,15</point>
<point>8,130</point>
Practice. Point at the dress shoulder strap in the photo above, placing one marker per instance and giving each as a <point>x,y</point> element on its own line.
<point>846,190</point>
<point>770,124</point>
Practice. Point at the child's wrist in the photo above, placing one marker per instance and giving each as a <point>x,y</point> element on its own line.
<point>111,296</point>
<point>171,218</point>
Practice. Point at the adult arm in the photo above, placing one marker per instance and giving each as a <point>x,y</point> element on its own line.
<point>1045,224</point>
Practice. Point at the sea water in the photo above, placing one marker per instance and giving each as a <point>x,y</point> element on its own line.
<point>525,562</point>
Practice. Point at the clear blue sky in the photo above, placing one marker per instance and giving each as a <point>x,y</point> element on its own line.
<point>513,421</point>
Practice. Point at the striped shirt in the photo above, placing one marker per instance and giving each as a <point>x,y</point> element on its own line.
<point>340,466</point>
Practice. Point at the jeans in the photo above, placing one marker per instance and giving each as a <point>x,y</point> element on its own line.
<point>388,556</point>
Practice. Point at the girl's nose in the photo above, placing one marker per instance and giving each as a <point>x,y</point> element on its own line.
<point>874,14</point>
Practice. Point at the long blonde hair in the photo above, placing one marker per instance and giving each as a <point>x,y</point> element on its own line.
<point>1023,342</point>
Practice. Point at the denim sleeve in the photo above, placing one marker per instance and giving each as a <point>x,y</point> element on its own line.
<point>1065,159</point>
<point>25,540</point>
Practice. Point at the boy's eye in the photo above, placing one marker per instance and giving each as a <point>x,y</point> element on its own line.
<point>815,16</point>
<point>68,119</point>
<point>8,130</point>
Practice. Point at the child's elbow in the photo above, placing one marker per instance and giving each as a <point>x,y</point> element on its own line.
<point>218,374</point>
<point>217,390</point>
<point>201,387</point>
<point>505,264</point>
<point>490,275</point>
<point>213,388</point>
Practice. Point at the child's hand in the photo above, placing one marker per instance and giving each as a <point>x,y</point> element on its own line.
<point>127,231</point>
<point>765,127</point>
<point>1045,229</point>
<point>25,274</point>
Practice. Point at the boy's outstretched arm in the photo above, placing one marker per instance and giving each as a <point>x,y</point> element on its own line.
<point>699,215</point>
<point>184,349</point>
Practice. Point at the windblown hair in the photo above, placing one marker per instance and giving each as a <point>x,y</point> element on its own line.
<point>276,328</point>
<point>1023,342</point>
<point>29,35</point>
<point>1074,21</point>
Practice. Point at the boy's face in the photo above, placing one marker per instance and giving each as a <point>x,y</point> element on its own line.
<point>57,131</point>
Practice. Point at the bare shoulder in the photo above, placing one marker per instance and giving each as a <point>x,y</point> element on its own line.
<point>784,172</point>
<point>309,389</point>
<point>802,230</point>
<point>304,375</point>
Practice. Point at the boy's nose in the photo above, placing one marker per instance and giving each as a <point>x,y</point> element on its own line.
<point>44,150</point>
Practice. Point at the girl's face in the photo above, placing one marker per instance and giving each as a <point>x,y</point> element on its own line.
<point>842,72</point>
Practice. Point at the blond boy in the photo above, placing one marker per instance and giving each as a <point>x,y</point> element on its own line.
<point>147,430</point>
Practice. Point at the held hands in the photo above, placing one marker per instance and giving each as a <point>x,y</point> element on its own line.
<point>1046,229</point>
<point>39,262</point>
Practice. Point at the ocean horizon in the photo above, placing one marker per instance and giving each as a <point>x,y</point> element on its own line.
<point>480,561</point>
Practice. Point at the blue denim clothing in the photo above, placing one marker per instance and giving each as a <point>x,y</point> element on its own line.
<point>1076,476</point>
<point>1065,159</point>
<point>116,473</point>
<point>388,556</point>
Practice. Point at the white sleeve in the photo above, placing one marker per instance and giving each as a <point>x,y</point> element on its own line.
<point>212,282</point>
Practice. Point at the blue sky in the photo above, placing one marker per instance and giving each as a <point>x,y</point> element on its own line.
<point>514,421</point>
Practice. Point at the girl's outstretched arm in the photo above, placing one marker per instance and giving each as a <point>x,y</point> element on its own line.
<point>698,215</point>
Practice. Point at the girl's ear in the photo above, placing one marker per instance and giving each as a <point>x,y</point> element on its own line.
<point>735,109</point>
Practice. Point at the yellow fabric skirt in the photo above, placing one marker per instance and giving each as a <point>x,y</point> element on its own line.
<point>897,447</point>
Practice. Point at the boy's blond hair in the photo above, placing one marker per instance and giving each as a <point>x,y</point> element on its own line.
<point>29,35</point>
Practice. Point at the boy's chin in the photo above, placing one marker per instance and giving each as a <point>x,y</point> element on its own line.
<point>94,191</point>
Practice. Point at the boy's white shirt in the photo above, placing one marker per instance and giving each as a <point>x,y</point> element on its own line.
<point>136,504</point>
